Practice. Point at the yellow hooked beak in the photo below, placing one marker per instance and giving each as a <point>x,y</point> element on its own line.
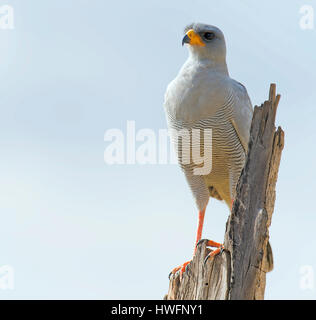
<point>191,37</point>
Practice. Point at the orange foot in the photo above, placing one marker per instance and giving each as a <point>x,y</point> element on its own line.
<point>211,243</point>
<point>182,269</point>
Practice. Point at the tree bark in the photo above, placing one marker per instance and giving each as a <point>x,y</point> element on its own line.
<point>239,272</point>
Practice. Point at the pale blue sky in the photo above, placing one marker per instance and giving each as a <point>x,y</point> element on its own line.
<point>72,226</point>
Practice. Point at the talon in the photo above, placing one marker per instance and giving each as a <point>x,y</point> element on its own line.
<point>182,269</point>
<point>205,260</point>
<point>209,243</point>
<point>175,270</point>
<point>200,242</point>
<point>214,253</point>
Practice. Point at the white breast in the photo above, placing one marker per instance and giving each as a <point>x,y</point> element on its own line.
<point>207,101</point>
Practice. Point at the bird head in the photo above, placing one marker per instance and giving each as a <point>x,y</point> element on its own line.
<point>205,42</point>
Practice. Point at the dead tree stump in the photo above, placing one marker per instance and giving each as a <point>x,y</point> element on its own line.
<point>239,272</point>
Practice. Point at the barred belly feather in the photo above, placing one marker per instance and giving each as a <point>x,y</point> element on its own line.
<point>228,155</point>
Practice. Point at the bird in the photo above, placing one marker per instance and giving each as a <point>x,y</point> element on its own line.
<point>208,113</point>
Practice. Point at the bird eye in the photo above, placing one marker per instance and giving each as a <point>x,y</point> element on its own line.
<point>208,36</point>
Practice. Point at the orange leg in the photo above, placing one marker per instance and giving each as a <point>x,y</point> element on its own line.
<point>214,244</point>
<point>200,228</point>
<point>215,252</point>
<point>210,243</point>
<point>183,266</point>
<point>198,240</point>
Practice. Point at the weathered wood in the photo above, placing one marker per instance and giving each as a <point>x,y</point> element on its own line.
<point>239,272</point>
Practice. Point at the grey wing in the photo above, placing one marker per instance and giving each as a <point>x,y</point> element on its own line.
<point>242,114</point>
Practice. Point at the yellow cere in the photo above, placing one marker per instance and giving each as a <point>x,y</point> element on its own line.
<point>195,39</point>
